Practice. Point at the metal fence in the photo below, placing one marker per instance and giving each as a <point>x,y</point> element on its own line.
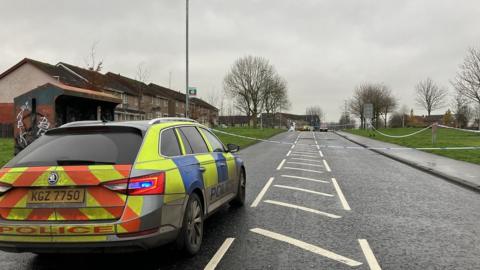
<point>6,131</point>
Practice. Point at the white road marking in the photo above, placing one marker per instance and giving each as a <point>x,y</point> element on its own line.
<point>304,190</point>
<point>307,164</point>
<point>302,208</point>
<point>262,193</point>
<point>326,166</point>
<point>305,152</point>
<point>293,146</point>
<point>281,165</point>
<point>320,152</point>
<point>304,178</point>
<point>340,195</point>
<point>289,152</point>
<point>318,147</point>
<point>306,159</point>
<point>300,155</point>
<point>306,246</point>
<point>219,254</point>
<point>367,251</point>
<point>300,169</point>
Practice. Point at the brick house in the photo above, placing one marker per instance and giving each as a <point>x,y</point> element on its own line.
<point>139,100</point>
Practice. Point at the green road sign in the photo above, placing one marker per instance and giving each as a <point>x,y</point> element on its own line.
<point>192,91</point>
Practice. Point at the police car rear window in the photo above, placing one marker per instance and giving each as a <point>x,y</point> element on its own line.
<point>106,146</point>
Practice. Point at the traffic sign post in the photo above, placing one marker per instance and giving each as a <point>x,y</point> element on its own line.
<point>368,113</point>
<point>192,91</point>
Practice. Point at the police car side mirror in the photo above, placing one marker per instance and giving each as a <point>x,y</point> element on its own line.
<point>232,148</point>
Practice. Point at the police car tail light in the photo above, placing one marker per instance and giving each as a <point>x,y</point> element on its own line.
<point>4,188</point>
<point>152,184</point>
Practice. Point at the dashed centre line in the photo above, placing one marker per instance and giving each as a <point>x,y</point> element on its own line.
<point>306,209</point>
<point>219,254</point>
<point>304,190</point>
<point>306,246</point>
<point>320,152</point>
<point>262,193</point>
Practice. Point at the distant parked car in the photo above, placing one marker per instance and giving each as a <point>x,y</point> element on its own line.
<point>323,128</point>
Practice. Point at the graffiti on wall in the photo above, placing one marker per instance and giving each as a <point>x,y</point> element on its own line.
<point>30,125</point>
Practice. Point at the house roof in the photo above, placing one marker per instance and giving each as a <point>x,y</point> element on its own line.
<point>78,77</point>
<point>167,92</point>
<point>54,71</point>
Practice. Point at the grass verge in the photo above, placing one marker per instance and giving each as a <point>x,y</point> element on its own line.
<point>249,132</point>
<point>445,138</point>
<point>6,150</point>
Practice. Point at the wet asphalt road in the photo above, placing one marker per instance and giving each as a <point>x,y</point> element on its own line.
<point>410,219</point>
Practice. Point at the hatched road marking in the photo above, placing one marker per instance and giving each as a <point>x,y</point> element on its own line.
<point>306,164</point>
<point>302,208</point>
<point>300,169</point>
<point>304,190</point>
<point>307,159</point>
<point>304,178</point>
<point>300,155</point>
<point>306,246</point>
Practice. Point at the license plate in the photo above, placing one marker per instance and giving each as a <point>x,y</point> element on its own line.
<point>57,195</point>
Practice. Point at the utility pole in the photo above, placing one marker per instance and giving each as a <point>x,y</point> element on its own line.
<point>186,86</point>
<point>170,80</point>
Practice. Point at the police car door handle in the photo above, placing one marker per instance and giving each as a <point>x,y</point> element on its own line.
<point>202,169</point>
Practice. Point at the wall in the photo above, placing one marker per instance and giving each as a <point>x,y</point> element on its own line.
<point>6,113</point>
<point>23,79</point>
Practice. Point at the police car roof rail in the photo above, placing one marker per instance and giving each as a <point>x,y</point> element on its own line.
<point>170,119</point>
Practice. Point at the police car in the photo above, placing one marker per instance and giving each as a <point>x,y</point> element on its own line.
<point>117,186</point>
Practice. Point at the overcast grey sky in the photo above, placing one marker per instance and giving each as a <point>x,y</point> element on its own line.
<point>323,48</point>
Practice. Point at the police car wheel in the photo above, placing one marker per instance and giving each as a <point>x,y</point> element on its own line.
<point>239,200</point>
<point>191,236</point>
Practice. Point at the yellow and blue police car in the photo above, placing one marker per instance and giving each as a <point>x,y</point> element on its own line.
<point>117,186</point>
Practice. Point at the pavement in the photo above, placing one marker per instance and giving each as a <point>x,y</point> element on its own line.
<point>319,209</point>
<point>460,172</point>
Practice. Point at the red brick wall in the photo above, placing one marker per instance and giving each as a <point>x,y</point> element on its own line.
<point>6,113</point>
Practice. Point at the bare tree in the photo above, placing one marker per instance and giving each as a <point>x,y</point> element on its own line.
<point>467,81</point>
<point>388,103</point>
<point>462,110</point>
<point>376,94</point>
<point>315,114</point>
<point>246,83</point>
<point>430,96</point>
<point>275,96</point>
<point>141,76</point>
<point>95,66</point>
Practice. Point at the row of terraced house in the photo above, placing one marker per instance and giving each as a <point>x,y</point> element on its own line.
<point>36,96</point>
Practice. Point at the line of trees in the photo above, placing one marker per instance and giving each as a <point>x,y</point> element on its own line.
<point>256,87</point>
<point>381,98</point>
<point>428,95</point>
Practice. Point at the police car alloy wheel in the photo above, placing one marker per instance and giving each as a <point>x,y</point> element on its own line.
<point>191,236</point>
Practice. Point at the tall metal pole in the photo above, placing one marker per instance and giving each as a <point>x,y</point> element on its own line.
<point>186,86</point>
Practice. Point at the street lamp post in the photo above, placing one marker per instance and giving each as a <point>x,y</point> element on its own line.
<point>186,86</point>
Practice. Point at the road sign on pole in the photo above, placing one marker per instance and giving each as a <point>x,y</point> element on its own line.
<point>368,111</point>
<point>192,91</point>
